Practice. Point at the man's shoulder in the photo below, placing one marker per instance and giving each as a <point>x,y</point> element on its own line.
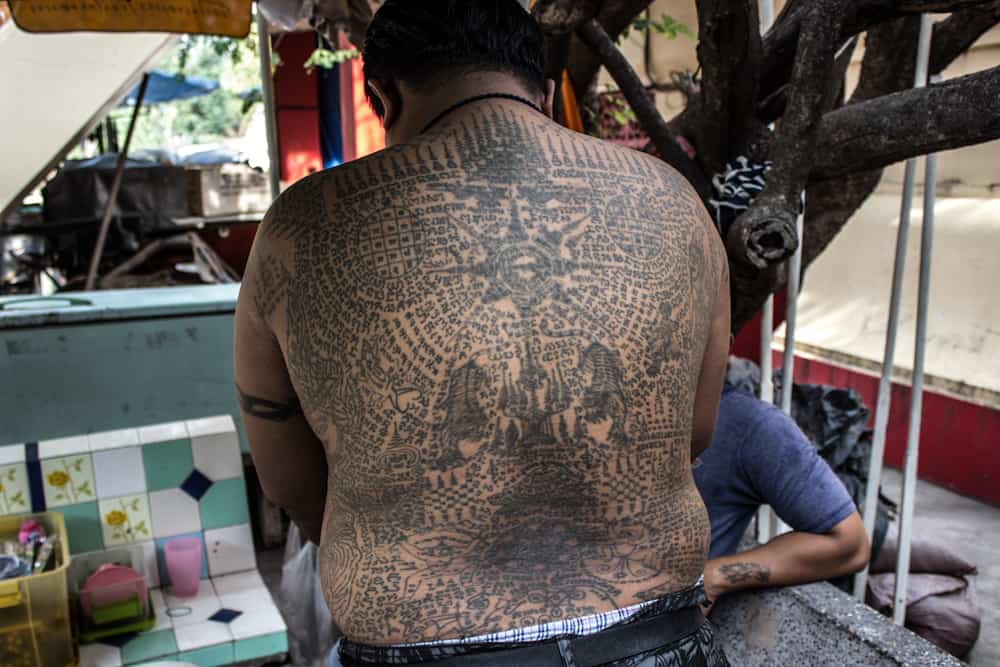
<point>750,422</point>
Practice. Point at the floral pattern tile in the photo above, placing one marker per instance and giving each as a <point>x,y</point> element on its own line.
<point>15,496</point>
<point>68,480</point>
<point>125,520</point>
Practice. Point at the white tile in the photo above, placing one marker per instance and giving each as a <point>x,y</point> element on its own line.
<point>11,454</point>
<point>265,620</point>
<point>76,444</point>
<point>126,437</point>
<point>174,513</point>
<point>237,583</point>
<point>162,432</point>
<point>119,472</point>
<point>144,555</point>
<point>218,456</point>
<point>230,550</point>
<point>211,426</point>
<point>202,635</point>
<point>100,655</point>
<point>242,591</point>
<point>160,607</point>
<point>188,611</point>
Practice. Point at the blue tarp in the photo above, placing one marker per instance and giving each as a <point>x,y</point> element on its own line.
<point>165,87</point>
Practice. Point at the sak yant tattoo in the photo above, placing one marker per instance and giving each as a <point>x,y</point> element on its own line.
<point>263,408</point>
<point>497,332</point>
<point>745,573</point>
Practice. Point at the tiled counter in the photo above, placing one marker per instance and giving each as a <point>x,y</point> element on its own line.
<point>139,488</point>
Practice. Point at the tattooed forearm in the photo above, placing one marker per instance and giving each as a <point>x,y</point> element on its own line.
<point>745,573</point>
<point>263,408</point>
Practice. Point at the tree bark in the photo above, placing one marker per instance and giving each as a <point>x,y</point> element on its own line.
<point>888,66</point>
<point>879,132</point>
<point>614,17</point>
<point>859,15</point>
<point>953,36</point>
<point>593,35</point>
<point>766,234</point>
<point>729,52</point>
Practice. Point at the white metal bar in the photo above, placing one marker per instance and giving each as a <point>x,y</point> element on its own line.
<point>884,401</point>
<point>766,15</point>
<point>916,395</point>
<point>766,518</point>
<point>267,92</point>
<point>791,315</point>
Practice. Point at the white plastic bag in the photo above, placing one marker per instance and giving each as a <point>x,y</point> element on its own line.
<point>311,631</point>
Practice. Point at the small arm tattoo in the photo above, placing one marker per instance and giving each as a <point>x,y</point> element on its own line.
<point>745,573</point>
<point>269,410</point>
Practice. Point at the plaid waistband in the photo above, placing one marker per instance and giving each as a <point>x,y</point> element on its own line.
<point>405,654</point>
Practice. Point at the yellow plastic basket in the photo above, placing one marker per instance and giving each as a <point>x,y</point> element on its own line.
<point>35,626</point>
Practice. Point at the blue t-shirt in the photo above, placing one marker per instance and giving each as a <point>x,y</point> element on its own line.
<point>759,456</point>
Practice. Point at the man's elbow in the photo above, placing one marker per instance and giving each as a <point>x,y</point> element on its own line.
<point>855,548</point>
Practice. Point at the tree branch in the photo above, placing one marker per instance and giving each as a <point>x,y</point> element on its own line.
<point>729,52</point>
<point>563,17</point>
<point>614,17</point>
<point>766,232</point>
<point>953,36</point>
<point>885,130</point>
<point>859,15</point>
<point>593,35</point>
<point>890,51</point>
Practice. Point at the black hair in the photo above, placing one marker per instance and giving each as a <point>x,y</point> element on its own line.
<point>424,42</point>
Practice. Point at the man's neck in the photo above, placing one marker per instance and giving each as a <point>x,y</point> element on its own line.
<point>419,111</point>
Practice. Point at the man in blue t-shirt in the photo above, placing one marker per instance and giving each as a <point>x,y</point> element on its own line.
<point>758,456</point>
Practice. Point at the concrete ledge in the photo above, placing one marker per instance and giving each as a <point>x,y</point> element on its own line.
<point>816,624</point>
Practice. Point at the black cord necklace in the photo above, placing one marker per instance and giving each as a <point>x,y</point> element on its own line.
<point>486,96</point>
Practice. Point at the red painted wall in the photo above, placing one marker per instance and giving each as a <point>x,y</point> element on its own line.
<point>958,439</point>
<point>297,107</point>
<point>747,343</point>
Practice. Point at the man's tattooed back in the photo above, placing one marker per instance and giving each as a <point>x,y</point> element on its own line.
<point>497,333</point>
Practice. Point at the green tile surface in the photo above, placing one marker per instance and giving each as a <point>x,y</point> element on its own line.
<point>213,656</point>
<point>83,524</point>
<point>225,504</point>
<point>149,645</point>
<point>168,464</point>
<point>261,647</point>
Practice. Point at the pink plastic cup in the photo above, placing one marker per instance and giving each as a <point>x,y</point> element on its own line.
<point>183,557</point>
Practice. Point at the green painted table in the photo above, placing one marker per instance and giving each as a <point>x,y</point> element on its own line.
<point>97,361</point>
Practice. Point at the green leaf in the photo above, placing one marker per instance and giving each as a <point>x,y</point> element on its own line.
<point>84,489</point>
<point>135,505</point>
<point>78,465</point>
<point>328,59</point>
<point>11,475</point>
<point>18,499</point>
<point>141,528</point>
<point>60,496</point>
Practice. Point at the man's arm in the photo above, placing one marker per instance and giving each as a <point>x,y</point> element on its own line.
<point>830,540</point>
<point>791,559</point>
<point>713,365</point>
<point>289,458</point>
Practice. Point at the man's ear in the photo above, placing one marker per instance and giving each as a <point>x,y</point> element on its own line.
<point>389,98</point>
<point>550,98</point>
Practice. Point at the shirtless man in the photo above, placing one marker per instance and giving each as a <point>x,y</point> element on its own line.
<point>475,367</point>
